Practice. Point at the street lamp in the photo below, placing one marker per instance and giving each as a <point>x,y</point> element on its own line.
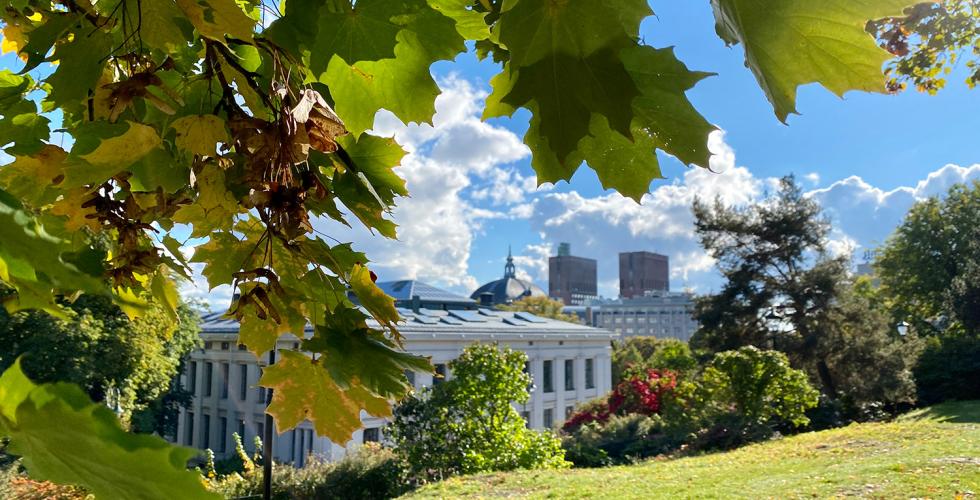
<point>903,328</point>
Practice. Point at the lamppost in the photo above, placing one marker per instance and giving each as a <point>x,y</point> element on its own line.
<point>903,328</point>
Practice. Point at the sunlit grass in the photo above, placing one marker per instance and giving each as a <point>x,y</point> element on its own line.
<point>931,453</point>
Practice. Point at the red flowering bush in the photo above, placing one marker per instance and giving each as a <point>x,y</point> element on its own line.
<point>640,392</point>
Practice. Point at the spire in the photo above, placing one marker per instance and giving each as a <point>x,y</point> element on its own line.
<point>509,270</point>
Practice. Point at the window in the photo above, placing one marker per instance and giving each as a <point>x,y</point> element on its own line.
<point>549,418</point>
<point>527,419</point>
<point>590,374</point>
<point>260,430</point>
<point>225,346</point>
<point>569,374</point>
<point>372,435</point>
<point>549,376</point>
<point>569,410</point>
<point>208,345</point>
<point>225,370</point>
<point>440,376</point>
<point>189,425</point>
<point>243,382</point>
<point>241,430</point>
<point>242,347</point>
<point>206,431</point>
<point>192,378</point>
<point>208,374</point>
<point>222,434</point>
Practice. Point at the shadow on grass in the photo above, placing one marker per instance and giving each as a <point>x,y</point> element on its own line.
<point>957,412</point>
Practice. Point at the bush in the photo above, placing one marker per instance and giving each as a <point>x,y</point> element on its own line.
<point>468,424</point>
<point>948,369</point>
<point>640,392</point>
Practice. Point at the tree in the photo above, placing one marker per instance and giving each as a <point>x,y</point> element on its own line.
<point>545,307</point>
<point>468,424</point>
<point>650,352</point>
<point>929,42</point>
<point>929,267</point>
<point>245,123</point>
<point>784,291</point>
<point>128,364</point>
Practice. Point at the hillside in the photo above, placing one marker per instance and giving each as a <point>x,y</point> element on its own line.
<point>931,453</point>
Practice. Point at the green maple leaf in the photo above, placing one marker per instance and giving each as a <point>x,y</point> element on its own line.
<point>534,30</point>
<point>104,149</point>
<point>355,191</point>
<point>365,31</point>
<point>789,43</point>
<point>354,353</point>
<point>31,178</point>
<point>259,334</point>
<point>339,259</point>
<point>215,206</point>
<point>381,306</point>
<point>64,437</point>
<point>79,68</point>
<point>222,255</point>
<point>24,127</point>
<point>376,157</point>
<point>29,254</point>
<point>159,169</point>
<point>160,25</point>
<point>215,19</point>
<point>402,84</point>
<point>621,164</point>
<point>304,390</point>
<point>12,88</point>
<point>470,24</point>
<point>42,38</point>
<point>200,134</point>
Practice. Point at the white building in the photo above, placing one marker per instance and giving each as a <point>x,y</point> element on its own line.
<point>657,313</point>
<point>569,363</point>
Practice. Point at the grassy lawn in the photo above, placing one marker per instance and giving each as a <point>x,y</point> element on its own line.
<point>930,453</point>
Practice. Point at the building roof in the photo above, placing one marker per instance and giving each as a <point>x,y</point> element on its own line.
<point>404,290</point>
<point>509,288</point>
<point>428,323</point>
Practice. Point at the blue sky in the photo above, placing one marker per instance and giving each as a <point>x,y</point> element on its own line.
<point>866,158</point>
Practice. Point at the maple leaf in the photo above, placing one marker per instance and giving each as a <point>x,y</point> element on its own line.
<point>354,353</point>
<point>31,177</point>
<point>376,157</point>
<point>104,149</point>
<point>304,390</point>
<point>215,19</point>
<point>789,43</point>
<point>62,436</point>
<point>79,68</point>
<point>200,134</point>
<point>71,205</point>
<point>215,206</point>
<point>380,305</point>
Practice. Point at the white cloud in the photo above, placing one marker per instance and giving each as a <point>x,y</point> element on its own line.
<point>813,178</point>
<point>532,263</point>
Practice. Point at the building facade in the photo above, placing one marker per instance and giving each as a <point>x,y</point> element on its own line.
<point>657,314</point>
<point>571,279</point>
<point>641,272</point>
<point>569,363</point>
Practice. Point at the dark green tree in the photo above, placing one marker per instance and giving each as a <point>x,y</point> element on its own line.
<point>128,364</point>
<point>784,291</point>
<point>929,268</point>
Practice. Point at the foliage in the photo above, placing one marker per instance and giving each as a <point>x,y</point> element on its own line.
<point>128,364</point>
<point>468,424</point>
<point>621,439</point>
<point>245,122</point>
<point>651,352</point>
<point>929,42</point>
<point>66,438</point>
<point>546,307</point>
<point>640,392</point>
<point>916,457</point>
<point>949,369</point>
<point>929,267</point>
<point>369,471</point>
<point>758,387</point>
<point>15,484</point>
<point>784,291</point>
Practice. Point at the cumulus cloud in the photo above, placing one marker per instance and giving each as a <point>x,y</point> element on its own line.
<point>459,172</point>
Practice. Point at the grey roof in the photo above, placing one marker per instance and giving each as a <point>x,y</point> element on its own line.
<point>454,323</point>
<point>509,289</point>
<point>404,290</point>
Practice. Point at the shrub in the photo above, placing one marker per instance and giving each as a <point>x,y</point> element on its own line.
<point>468,424</point>
<point>948,369</point>
<point>640,392</point>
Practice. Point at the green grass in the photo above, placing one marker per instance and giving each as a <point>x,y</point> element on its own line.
<point>929,453</point>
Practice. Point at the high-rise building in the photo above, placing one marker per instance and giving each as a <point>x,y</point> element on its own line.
<point>571,279</point>
<point>641,272</point>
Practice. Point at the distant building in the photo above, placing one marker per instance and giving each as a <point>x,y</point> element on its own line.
<point>507,289</point>
<point>414,294</point>
<point>571,279</point>
<point>658,314</point>
<point>569,365</point>
<point>641,272</point>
